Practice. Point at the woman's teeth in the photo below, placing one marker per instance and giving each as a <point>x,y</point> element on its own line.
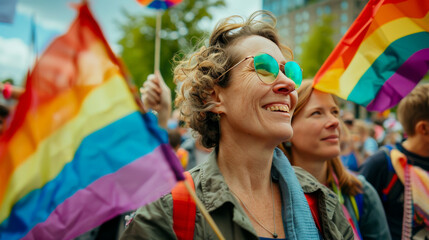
<point>282,108</point>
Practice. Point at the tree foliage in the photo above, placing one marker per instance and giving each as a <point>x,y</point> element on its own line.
<point>318,46</point>
<point>180,32</point>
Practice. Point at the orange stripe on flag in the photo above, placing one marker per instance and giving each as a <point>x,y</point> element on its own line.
<point>44,119</point>
<point>389,12</point>
<point>144,2</point>
<point>365,24</point>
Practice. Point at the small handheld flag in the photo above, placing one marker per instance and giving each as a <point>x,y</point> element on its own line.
<point>158,5</point>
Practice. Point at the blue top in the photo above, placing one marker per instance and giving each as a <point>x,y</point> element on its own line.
<point>350,161</point>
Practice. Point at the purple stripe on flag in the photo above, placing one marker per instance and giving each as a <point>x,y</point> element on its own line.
<point>402,82</point>
<point>134,185</point>
<point>176,167</point>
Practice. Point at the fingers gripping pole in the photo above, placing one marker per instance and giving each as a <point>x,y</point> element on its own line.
<point>204,211</point>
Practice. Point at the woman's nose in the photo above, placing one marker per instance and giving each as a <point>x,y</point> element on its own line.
<point>283,84</point>
<point>333,122</point>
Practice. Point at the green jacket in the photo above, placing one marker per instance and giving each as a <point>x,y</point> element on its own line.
<point>334,224</point>
<point>154,221</point>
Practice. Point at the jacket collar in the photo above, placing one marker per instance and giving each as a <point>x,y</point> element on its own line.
<point>216,192</point>
<point>310,184</point>
<point>214,189</point>
<point>296,213</point>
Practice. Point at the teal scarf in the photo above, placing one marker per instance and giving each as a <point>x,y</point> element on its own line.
<point>296,214</point>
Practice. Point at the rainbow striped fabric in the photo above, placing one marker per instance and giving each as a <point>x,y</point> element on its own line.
<point>382,57</point>
<point>159,4</point>
<point>418,185</point>
<point>78,151</point>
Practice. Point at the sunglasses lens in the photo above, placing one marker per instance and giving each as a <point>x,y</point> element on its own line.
<point>294,72</point>
<point>266,67</point>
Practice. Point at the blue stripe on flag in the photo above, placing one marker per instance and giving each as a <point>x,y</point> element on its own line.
<point>100,153</point>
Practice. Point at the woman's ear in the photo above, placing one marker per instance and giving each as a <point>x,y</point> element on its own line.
<point>217,99</point>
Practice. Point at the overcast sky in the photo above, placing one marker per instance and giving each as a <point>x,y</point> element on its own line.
<point>53,17</point>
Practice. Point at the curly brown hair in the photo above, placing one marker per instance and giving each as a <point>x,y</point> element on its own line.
<point>198,73</point>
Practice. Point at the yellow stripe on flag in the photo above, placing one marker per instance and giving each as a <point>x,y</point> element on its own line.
<point>374,46</point>
<point>104,105</point>
<point>340,81</point>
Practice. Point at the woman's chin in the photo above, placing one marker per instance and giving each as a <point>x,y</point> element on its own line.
<point>333,153</point>
<point>285,136</point>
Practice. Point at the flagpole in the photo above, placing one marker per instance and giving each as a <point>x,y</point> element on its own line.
<point>157,39</point>
<point>33,45</point>
<point>204,211</point>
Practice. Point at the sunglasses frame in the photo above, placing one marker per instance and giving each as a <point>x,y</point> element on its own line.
<point>248,57</point>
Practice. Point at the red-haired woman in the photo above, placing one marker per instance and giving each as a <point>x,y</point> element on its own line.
<point>315,147</point>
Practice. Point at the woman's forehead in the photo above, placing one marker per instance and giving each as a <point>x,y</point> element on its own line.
<point>251,45</point>
<point>320,99</point>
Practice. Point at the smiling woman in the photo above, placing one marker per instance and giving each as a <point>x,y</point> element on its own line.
<point>238,93</point>
<point>315,147</point>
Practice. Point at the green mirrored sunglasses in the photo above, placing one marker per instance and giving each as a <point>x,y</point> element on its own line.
<point>267,68</point>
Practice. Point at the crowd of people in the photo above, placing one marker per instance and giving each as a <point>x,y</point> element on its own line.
<point>273,158</point>
<point>337,159</point>
<point>10,94</point>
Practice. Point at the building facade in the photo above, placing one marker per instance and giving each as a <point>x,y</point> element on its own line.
<point>295,18</point>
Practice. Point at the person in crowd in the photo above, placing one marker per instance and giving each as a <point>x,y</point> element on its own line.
<point>379,131</point>
<point>348,119</point>
<point>174,139</point>
<point>394,131</point>
<point>4,113</point>
<point>392,138</point>
<point>197,152</point>
<point>238,93</point>
<point>385,173</point>
<point>350,156</point>
<point>367,145</point>
<point>315,146</point>
<point>10,91</point>
<point>350,153</point>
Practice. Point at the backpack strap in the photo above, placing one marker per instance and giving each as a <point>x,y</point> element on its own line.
<point>394,177</point>
<point>386,149</point>
<point>184,210</point>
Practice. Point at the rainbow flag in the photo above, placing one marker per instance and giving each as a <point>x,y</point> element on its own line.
<point>382,57</point>
<point>78,151</point>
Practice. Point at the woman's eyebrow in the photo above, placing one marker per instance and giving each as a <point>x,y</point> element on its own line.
<point>318,108</point>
